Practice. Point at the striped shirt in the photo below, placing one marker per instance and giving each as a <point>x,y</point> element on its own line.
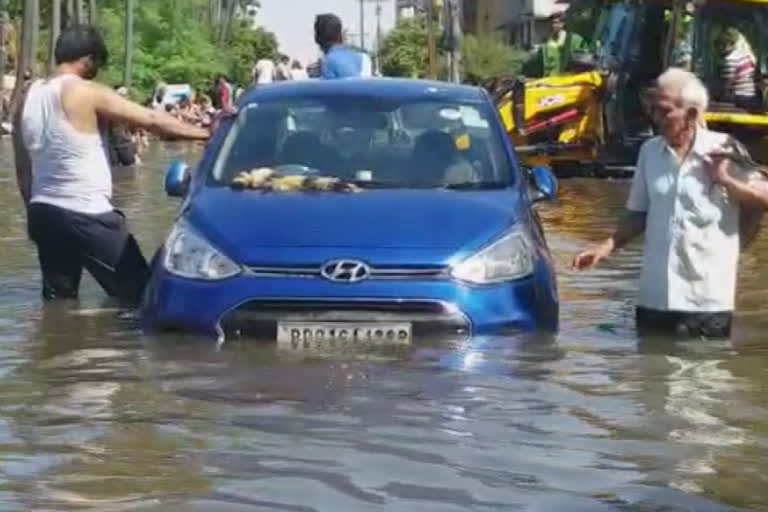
<point>739,71</point>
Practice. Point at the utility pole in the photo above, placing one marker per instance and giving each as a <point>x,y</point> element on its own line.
<point>71,13</point>
<point>93,13</point>
<point>378,25</point>
<point>4,24</point>
<point>55,31</point>
<point>79,12</point>
<point>453,33</point>
<point>128,63</point>
<point>432,50</point>
<point>362,24</point>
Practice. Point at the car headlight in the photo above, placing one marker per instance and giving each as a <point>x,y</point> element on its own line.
<point>188,254</point>
<point>508,258</point>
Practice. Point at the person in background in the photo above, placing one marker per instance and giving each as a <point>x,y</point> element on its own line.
<point>556,51</point>
<point>283,71</point>
<point>264,72</point>
<point>188,112</point>
<point>340,61</point>
<point>222,93</point>
<point>159,98</point>
<point>366,67</point>
<point>64,176</point>
<point>206,110</point>
<point>738,68</point>
<point>172,109</point>
<point>297,71</point>
<point>121,144</point>
<point>688,203</point>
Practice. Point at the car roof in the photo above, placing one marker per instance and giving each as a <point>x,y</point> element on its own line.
<point>375,88</point>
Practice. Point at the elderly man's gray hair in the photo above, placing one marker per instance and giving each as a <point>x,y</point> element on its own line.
<point>686,87</point>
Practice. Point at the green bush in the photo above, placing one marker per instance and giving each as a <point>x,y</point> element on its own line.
<point>486,57</point>
<point>404,51</point>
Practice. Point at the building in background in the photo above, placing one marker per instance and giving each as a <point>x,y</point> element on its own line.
<point>250,12</point>
<point>519,22</point>
<point>405,9</point>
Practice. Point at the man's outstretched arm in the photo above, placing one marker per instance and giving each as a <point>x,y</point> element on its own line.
<point>110,105</point>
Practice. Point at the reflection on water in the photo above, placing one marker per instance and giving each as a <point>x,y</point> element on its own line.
<point>96,415</point>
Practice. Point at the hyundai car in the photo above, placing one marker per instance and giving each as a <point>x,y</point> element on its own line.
<point>424,225</point>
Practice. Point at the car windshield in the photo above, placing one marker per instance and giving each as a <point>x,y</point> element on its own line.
<point>416,144</point>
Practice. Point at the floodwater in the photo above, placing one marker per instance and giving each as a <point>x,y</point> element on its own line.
<point>96,415</point>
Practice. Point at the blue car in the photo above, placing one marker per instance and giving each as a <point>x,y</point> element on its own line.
<point>427,231</point>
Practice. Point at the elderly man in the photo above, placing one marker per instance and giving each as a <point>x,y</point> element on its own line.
<point>687,200</point>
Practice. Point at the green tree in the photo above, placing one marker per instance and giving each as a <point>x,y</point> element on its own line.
<point>179,48</point>
<point>174,41</point>
<point>246,47</point>
<point>487,57</point>
<point>404,50</point>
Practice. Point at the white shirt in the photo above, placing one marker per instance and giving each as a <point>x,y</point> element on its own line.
<point>69,168</point>
<point>299,74</point>
<point>264,72</point>
<point>692,229</point>
<point>366,68</point>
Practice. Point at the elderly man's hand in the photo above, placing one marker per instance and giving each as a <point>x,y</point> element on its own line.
<point>719,169</point>
<point>590,259</point>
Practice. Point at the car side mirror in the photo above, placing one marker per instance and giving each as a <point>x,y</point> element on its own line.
<point>177,179</point>
<point>544,184</point>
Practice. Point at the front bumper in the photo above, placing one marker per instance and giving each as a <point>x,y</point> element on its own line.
<point>252,305</point>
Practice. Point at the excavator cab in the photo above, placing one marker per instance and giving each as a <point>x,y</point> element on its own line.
<point>593,119</point>
<point>744,116</point>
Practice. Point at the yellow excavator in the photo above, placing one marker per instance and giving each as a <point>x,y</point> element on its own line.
<point>591,119</point>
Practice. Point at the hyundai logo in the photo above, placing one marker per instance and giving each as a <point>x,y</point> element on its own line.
<point>346,271</point>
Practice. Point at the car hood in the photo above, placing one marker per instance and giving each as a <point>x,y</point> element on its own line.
<point>242,222</point>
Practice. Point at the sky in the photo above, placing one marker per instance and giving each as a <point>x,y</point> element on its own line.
<point>293,22</point>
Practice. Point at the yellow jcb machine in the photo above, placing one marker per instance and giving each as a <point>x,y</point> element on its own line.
<point>591,119</point>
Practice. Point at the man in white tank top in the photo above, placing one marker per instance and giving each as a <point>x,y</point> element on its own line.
<point>64,175</point>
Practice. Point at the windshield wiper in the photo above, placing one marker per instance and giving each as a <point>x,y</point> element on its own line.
<point>476,185</point>
<point>376,184</point>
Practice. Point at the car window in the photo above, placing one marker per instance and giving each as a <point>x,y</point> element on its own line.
<point>417,144</point>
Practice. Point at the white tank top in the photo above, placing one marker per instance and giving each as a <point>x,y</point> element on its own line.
<point>69,168</point>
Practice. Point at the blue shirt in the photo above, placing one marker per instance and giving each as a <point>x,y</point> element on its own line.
<point>341,62</point>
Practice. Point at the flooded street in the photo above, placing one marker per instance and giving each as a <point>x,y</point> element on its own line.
<point>96,415</point>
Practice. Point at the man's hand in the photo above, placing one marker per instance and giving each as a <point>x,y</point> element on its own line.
<point>720,170</point>
<point>589,259</point>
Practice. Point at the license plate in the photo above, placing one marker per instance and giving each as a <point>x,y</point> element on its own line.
<point>310,335</point>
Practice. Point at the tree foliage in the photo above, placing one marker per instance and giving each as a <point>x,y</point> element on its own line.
<point>175,41</point>
<point>404,51</point>
<point>487,57</point>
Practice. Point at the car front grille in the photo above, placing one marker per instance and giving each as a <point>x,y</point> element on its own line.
<point>259,318</point>
<point>376,273</point>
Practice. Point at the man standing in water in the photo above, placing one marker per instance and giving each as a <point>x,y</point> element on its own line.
<point>557,50</point>
<point>340,61</point>
<point>688,202</point>
<point>64,176</point>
